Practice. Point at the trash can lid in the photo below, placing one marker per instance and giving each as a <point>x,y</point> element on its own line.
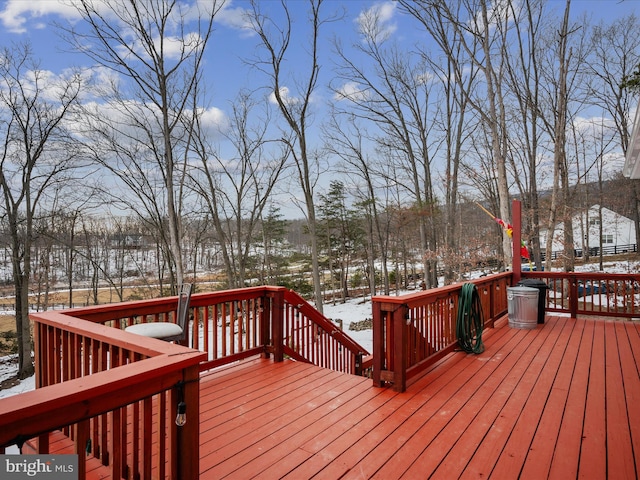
<point>522,289</point>
<point>532,282</point>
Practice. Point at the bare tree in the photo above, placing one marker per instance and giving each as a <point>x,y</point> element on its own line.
<point>273,228</point>
<point>482,30</point>
<point>395,97</point>
<point>156,60</point>
<point>236,189</point>
<point>455,76</point>
<point>523,79</point>
<point>36,155</point>
<point>562,76</point>
<point>614,56</point>
<point>294,102</point>
<point>346,140</point>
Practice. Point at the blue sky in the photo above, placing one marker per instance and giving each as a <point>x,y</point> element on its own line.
<point>34,21</point>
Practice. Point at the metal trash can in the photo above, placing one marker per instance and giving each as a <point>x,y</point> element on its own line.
<point>542,294</point>
<point>522,304</point>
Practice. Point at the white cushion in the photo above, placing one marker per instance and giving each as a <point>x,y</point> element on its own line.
<point>155,329</point>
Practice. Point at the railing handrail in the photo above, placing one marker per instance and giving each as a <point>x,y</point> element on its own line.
<point>105,312</point>
<point>620,291</point>
<point>146,346</point>
<point>417,298</point>
<point>126,312</point>
<point>323,322</point>
<point>583,275</point>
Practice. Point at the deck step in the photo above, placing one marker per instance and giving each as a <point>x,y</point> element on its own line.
<point>60,444</point>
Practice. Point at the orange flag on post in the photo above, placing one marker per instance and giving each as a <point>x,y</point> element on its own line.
<point>524,251</point>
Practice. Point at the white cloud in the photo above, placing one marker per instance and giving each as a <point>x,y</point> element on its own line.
<point>498,12</point>
<point>234,17</point>
<point>173,47</point>
<point>594,125</point>
<point>351,91</point>
<point>16,13</point>
<point>284,94</point>
<point>377,22</point>
<point>213,120</point>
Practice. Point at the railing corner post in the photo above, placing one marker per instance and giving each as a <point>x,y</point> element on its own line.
<point>378,343</point>
<point>188,452</point>
<point>400,318</point>
<point>264,323</point>
<point>573,296</point>
<point>277,327</point>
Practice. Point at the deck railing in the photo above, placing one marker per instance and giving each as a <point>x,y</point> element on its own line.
<point>309,336</point>
<point>114,397</point>
<point>234,324</point>
<point>413,331</point>
<point>115,394</point>
<point>591,293</point>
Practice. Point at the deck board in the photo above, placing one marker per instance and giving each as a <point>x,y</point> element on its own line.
<point>564,463</point>
<point>536,404</point>
<point>627,334</point>
<point>619,444</point>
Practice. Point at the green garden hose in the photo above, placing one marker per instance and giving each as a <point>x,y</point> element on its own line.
<point>470,320</point>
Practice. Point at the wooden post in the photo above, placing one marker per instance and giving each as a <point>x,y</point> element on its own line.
<point>399,348</point>
<point>357,368</point>
<point>264,315</point>
<point>378,343</point>
<point>80,446</point>
<point>516,267</point>
<point>188,454</point>
<point>277,325</point>
<point>573,296</point>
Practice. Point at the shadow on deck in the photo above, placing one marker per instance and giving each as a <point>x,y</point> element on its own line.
<point>559,401</point>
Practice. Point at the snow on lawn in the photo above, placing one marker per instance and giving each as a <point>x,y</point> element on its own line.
<point>8,369</point>
<point>354,310</point>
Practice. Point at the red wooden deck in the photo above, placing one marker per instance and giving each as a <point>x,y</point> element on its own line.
<point>560,401</point>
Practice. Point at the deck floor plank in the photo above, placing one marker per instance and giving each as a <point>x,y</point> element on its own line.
<point>619,444</point>
<point>593,454</point>
<point>629,340</point>
<point>513,456</point>
<point>451,424</point>
<point>402,426</point>
<point>483,458</point>
<point>545,441</point>
<point>566,456</point>
<point>515,372</point>
<point>233,447</point>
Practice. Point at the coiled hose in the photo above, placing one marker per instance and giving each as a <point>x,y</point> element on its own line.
<point>470,320</point>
